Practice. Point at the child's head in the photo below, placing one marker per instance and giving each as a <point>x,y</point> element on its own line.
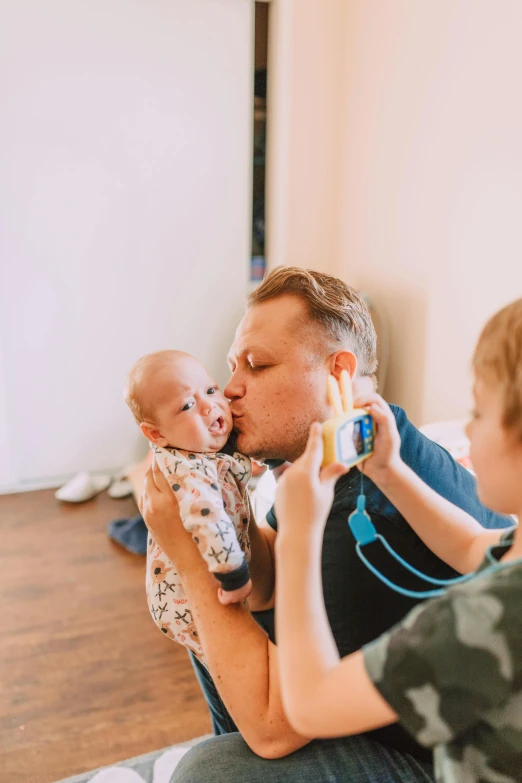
<point>495,431</point>
<point>177,403</point>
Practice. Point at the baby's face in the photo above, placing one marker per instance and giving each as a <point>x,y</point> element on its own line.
<point>189,410</point>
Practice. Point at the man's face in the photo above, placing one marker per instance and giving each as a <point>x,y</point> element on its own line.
<point>277,388</point>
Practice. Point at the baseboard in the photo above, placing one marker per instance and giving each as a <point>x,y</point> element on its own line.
<point>52,482</point>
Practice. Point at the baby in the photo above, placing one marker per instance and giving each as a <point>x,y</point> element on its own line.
<point>187,420</point>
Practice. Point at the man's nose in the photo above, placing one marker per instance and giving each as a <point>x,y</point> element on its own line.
<point>234,387</point>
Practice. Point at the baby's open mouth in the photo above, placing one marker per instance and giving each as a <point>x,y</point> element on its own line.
<point>218,426</point>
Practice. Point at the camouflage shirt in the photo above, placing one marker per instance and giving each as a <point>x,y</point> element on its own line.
<point>452,671</point>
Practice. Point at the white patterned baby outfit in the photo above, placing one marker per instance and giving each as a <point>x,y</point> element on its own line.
<point>211,490</point>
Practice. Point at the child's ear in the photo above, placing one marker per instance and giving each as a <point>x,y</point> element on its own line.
<point>153,434</point>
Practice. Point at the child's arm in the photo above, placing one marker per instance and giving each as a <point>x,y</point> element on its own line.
<point>452,534</point>
<point>322,696</point>
<point>411,673</point>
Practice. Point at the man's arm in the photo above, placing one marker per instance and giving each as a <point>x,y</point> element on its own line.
<point>262,569</point>
<point>241,659</point>
<point>243,663</point>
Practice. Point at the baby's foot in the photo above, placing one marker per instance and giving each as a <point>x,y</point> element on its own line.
<point>234,596</point>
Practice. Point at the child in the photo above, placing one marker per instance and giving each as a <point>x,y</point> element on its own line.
<point>181,411</point>
<point>451,671</point>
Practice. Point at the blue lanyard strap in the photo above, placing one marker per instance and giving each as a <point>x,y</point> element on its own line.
<point>365,533</point>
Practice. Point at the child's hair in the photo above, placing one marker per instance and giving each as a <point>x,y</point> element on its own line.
<point>138,376</point>
<point>498,356</point>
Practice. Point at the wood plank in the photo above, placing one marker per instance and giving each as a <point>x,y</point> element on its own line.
<point>86,677</point>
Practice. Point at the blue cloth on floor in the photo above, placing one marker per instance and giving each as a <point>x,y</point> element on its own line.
<point>131,534</point>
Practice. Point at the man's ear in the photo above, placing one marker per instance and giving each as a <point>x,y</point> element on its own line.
<point>343,360</point>
<point>153,434</point>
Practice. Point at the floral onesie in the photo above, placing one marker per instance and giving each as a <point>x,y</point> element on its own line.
<point>211,490</point>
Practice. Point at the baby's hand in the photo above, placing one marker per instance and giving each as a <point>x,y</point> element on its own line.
<point>234,596</point>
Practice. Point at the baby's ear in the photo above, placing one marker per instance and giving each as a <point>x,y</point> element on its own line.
<point>153,434</point>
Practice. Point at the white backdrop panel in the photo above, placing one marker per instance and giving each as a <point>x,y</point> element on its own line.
<point>125,157</point>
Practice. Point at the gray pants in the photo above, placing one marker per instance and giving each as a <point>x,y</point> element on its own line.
<point>359,759</point>
<point>226,758</point>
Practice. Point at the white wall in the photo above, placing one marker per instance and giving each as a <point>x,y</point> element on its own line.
<point>305,132</point>
<point>433,182</point>
<point>125,159</point>
<point>396,138</point>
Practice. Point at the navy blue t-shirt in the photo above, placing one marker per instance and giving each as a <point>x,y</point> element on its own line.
<point>359,606</point>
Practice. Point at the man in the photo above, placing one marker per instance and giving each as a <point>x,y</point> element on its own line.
<point>301,326</point>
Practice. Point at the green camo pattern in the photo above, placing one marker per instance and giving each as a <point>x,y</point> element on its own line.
<point>452,670</point>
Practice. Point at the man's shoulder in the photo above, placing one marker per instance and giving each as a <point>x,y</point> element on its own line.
<point>408,430</point>
<point>424,455</point>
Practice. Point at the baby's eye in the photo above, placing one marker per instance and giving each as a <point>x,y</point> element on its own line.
<point>212,390</point>
<point>188,405</point>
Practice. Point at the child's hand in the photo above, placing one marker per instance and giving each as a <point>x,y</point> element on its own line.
<point>234,596</point>
<point>387,443</point>
<point>305,493</point>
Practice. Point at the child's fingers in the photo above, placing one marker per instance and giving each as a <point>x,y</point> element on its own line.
<point>381,412</point>
<point>333,472</point>
<point>313,454</point>
<point>366,400</point>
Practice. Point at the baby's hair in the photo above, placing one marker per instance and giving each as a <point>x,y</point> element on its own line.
<point>498,357</point>
<point>140,373</point>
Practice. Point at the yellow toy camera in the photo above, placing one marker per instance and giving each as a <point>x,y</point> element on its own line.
<point>348,436</point>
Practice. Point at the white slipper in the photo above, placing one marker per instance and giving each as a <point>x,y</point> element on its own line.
<point>82,487</point>
<point>120,488</point>
<point>123,473</point>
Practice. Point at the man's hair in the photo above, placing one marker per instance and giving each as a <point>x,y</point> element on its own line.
<point>337,308</point>
<point>498,356</point>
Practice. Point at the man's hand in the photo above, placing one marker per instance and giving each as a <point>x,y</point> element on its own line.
<point>159,508</point>
<point>305,493</point>
<point>387,443</point>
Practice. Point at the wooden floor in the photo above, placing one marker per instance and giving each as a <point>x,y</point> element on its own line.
<point>86,678</point>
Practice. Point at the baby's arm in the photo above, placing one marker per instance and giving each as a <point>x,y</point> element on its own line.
<point>452,534</point>
<point>234,596</point>
<point>196,488</point>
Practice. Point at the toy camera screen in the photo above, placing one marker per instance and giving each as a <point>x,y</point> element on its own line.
<point>351,441</point>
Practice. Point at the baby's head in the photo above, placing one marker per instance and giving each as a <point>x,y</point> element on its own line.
<point>176,402</point>
<point>495,430</point>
